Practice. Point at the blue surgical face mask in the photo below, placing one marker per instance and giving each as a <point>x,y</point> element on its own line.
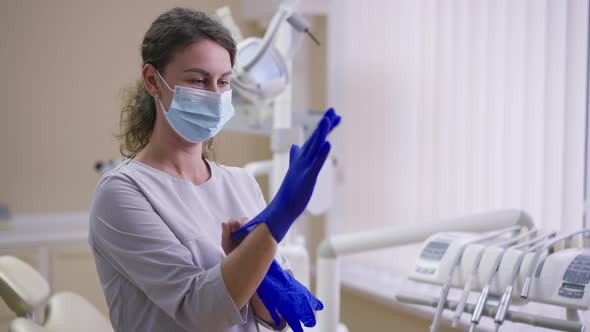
<point>197,115</point>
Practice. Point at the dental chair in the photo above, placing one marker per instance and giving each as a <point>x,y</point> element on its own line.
<point>25,291</point>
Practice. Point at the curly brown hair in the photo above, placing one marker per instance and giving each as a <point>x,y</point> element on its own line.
<point>170,32</point>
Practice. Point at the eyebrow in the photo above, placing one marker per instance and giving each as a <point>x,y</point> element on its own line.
<point>204,72</point>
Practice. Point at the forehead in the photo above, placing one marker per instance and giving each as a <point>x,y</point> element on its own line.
<point>204,54</point>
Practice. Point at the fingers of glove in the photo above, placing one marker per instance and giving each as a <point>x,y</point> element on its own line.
<point>309,140</point>
<point>275,317</point>
<point>322,132</point>
<point>306,315</point>
<point>310,299</point>
<point>316,304</point>
<point>239,235</point>
<point>294,149</point>
<point>335,122</point>
<point>234,225</point>
<point>331,113</point>
<point>292,319</point>
<point>334,118</point>
<point>265,298</point>
<point>321,158</point>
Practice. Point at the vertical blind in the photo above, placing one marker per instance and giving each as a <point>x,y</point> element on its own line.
<point>452,107</point>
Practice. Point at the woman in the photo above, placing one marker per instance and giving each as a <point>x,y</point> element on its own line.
<point>164,253</point>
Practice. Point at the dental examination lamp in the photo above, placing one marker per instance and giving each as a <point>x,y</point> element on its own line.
<point>261,72</point>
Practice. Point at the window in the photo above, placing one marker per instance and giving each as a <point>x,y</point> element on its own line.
<point>456,107</point>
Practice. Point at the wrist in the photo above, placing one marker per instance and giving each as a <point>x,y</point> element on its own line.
<point>267,238</point>
<point>270,219</point>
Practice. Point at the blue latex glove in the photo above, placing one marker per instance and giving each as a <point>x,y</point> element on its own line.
<point>295,192</point>
<point>281,293</point>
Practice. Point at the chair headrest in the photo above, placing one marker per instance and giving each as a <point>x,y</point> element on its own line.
<point>22,288</point>
<point>25,325</point>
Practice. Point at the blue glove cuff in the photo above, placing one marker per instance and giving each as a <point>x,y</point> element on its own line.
<point>241,233</point>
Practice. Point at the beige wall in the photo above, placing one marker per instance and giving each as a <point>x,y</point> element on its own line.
<point>64,65</point>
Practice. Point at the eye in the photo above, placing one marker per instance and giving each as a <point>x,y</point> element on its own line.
<point>223,83</point>
<point>198,81</point>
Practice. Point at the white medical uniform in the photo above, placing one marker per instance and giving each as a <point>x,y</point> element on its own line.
<point>157,246</point>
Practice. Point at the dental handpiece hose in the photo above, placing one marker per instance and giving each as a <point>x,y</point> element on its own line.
<point>448,282</point>
<point>483,297</point>
<point>473,274</point>
<point>506,299</point>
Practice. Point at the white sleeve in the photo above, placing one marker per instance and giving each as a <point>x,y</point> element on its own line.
<point>269,327</point>
<point>128,234</point>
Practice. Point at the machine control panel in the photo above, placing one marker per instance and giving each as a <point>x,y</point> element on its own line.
<point>576,277</point>
<point>437,255</point>
<point>433,252</point>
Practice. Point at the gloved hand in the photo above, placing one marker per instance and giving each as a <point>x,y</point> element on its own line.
<point>295,192</point>
<point>280,292</point>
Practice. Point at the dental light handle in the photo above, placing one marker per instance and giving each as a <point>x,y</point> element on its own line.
<point>536,259</point>
<point>300,24</point>
<point>225,17</point>
<point>297,21</point>
<point>440,307</point>
<point>269,36</point>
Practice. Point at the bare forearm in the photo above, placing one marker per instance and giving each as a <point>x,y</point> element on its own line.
<point>245,267</point>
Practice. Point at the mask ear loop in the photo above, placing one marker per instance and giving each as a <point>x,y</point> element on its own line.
<point>163,80</point>
<point>158,98</point>
<point>161,105</point>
